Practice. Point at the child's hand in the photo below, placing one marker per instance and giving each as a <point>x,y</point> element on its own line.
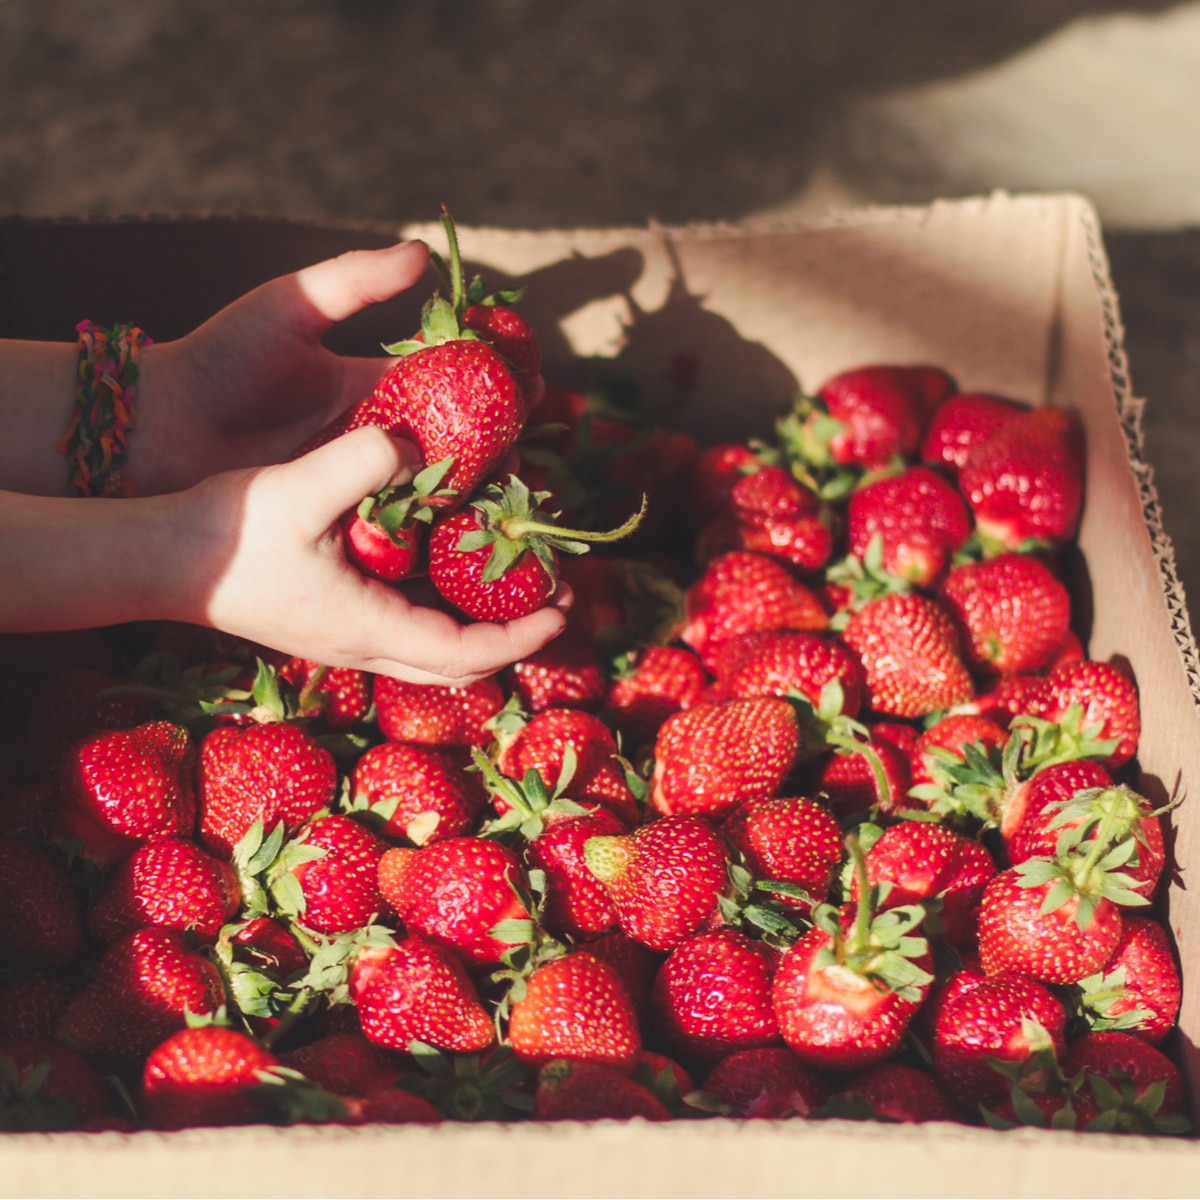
<point>261,553</point>
<point>253,382</point>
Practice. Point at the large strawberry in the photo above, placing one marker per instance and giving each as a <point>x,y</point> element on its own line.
<point>962,422</point>
<point>1137,1088</point>
<point>41,922</point>
<point>575,904</point>
<point>585,1091</point>
<point>117,789</point>
<point>764,1084</point>
<point>434,715</point>
<point>895,1091</point>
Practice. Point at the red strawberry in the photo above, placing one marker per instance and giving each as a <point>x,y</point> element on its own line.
<point>960,423</point>
<point>205,1076</point>
<point>269,946</point>
<point>846,992</point>
<point>863,775</point>
<point>635,963</point>
<point>27,810</point>
<point>576,904</point>
<point>910,651</point>
<point>117,789</point>
<point>454,892</point>
<point>790,838</point>
<point>600,591</point>
<point>743,592</point>
<point>346,1064</point>
<point>507,331</point>
<point>765,1084</point>
<point>713,997</point>
<point>714,473</point>
<point>664,878</point>
<point>995,1019</point>
<point>949,737</point>
<point>1062,944</point>
<point>432,715</point>
<point>340,889</point>
<point>711,757</point>
<point>142,990</point>
<point>923,861</point>
<point>497,559</point>
<point>894,1091</point>
<point>919,518</point>
<point>1139,990</point>
<point>1037,799</point>
<point>45,1086</point>
<point>41,923</point>
<point>575,1007</point>
<point>1137,1088</point>
<point>270,773</point>
<point>415,991</point>
<point>32,1003</point>
<point>339,696</point>
<point>1025,482</point>
<point>771,513</point>
<point>1106,697</point>
<point>423,793</point>
<point>586,1091</point>
<point>1014,610</point>
<point>567,672</point>
<point>170,883</point>
<point>661,681</point>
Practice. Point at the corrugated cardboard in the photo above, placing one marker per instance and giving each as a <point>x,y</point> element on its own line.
<point>1012,295</point>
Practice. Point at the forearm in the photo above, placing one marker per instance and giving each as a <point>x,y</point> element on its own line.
<point>70,564</point>
<point>37,398</point>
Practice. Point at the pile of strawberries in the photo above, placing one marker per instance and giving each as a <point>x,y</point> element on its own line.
<point>817,808</point>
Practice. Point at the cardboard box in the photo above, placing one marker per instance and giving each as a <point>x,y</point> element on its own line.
<point>1012,295</point>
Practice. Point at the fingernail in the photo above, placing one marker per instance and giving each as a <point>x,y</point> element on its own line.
<point>563,598</point>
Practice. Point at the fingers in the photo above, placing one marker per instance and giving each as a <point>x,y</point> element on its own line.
<point>357,464</point>
<point>339,287</point>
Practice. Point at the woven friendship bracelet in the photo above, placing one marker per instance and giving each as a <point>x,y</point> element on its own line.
<point>97,440</point>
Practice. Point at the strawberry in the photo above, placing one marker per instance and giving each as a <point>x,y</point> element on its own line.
<point>600,589</point>
<point>1014,610</point>
<point>862,775</point>
<point>45,1086</point>
<point>346,1064</point>
<point>664,878</point>
<point>946,740</point>
<point>169,883</point>
<point>771,513</point>
<point>713,997</point>
<point>272,772</point>
<point>1025,482</point>
<point>790,838</point>
<point>575,1007</point>
<point>142,990</point>
<point>118,788</point>
<point>338,891</point>
<point>450,393</point>
<point>205,1076</point>
<point>767,1084</point>
<point>1037,799</point>
<point>910,651</point>
<point>711,757</point>
<point>575,904</point>
<point>923,861</point>
<point>32,1002</point>
<point>566,672</point>
<point>743,592</point>
<point>555,735</point>
<point>433,715</point>
<point>847,990</point>
<point>339,696</point>
<point>421,793</point>
<point>41,923</point>
<point>586,1091</point>
<point>1080,695</point>
<point>454,892</point>
<point>1136,1087</point>
<point>503,328</point>
<point>497,559</point>
<point>634,962</point>
<point>1006,1019</point>
<point>27,810</point>
<point>960,423</point>
<point>659,682</point>
<point>920,520</point>
<point>895,1091</point>
<point>1139,990</point>
<point>389,1106</point>
<point>415,991</point>
<point>714,473</point>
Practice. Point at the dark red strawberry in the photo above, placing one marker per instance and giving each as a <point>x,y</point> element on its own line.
<point>346,1064</point>
<point>117,789</point>
<point>895,1091</point>
<point>1137,1088</point>
<point>575,1007</point>
<point>664,879</point>
<point>433,715</point>
<point>575,904</point>
<point>32,1002</point>
<point>660,681</point>
<point>41,920</point>
<point>566,672</point>
<point>44,1087</point>
<point>765,1084</point>
<point>712,997</point>
<point>711,757</point>
<point>339,696</point>
<point>170,883</point>
<point>586,1091</point>
<point>715,472</point>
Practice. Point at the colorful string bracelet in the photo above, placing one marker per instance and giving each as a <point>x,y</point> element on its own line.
<point>97,440</point>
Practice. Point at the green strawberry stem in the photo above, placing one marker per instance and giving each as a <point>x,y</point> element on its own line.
<point>864,914</point>
<point>457,290</point>
<point>521,527</point>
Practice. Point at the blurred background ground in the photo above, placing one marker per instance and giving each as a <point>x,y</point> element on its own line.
<point>527,113</point>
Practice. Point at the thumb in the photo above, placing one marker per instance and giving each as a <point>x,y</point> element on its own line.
<point>357,464</point>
